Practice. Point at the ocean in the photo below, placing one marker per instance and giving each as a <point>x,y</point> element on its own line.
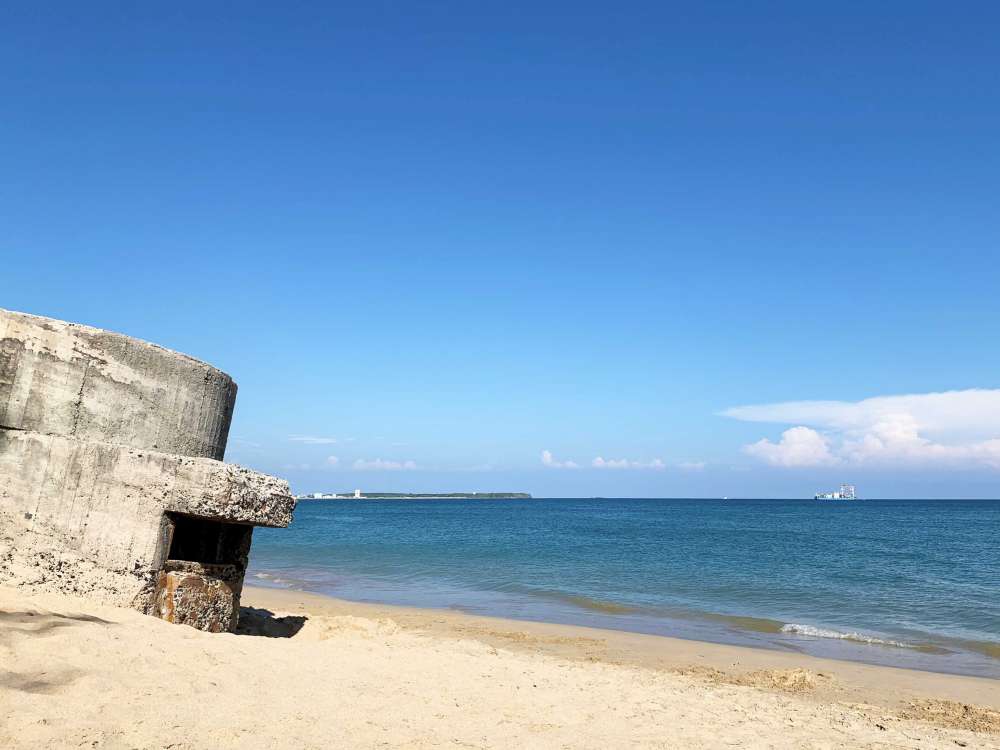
<point>907,583</point>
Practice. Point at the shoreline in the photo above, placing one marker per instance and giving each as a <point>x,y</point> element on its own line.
<point>853,681</point>
<point>834,643</point>
<point>307,671</point>
<point>901,583</point>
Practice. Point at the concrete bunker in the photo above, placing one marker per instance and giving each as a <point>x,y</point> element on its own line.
<point>111,479</point>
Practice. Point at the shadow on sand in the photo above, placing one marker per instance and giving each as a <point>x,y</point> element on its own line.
<point>34,624</point>
<point>38,623</point>
<point>263,622</point>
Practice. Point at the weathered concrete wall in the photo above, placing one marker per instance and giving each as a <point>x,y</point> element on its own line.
<point>65,379</point>
<point>110,485</point>
<point>105,504</point>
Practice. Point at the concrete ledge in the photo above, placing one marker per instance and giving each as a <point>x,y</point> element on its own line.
<point>95,518</point>
<point>66,379</point>
<point>56,478</point>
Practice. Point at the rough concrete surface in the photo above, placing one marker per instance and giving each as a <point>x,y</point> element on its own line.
<point>66,379</point>
<point>205,597</point>
<point>89,506</point>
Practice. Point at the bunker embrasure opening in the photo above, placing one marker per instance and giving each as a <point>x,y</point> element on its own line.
<point>208,541</point>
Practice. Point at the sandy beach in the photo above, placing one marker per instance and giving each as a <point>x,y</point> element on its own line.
<point>310,671</point>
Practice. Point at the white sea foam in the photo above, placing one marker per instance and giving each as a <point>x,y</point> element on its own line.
<point>276,580</point>
<point>813,632</point>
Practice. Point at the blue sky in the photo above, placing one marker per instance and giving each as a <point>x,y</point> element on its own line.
<point>436,240</point>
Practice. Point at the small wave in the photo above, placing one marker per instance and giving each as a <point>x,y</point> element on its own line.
<point>990,648</point>
<point>579,601</point>
<point>755,624</point>
<point>274,581</point>
<point>596,605</point>
<point>576,600</point>
<point>814,632</point>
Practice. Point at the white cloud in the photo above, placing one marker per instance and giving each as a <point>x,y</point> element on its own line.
<point>379,464</point>
<point>624,463</point>
<point>952,428</point>
<point>603,463</point>
<point>332,461</point>
<point>548,460</point>
<point>799,446</point>
<point>692,465</point>
<point>312,440</point>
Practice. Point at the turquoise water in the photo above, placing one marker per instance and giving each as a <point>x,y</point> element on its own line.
<point>911,583</point>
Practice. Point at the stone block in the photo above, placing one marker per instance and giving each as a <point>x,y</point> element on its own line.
<point>206,597</point>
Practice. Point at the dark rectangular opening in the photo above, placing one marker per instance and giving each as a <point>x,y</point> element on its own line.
<point>207,541</point>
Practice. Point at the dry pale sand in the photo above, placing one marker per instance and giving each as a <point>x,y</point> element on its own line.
<point>343,675</point>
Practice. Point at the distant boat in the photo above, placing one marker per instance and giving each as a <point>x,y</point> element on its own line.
<point>847,492</point>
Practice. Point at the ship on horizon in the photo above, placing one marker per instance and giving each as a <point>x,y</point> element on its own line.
<point>847,492</point>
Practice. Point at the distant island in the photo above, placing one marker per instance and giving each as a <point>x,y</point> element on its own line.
<point>359,495</point>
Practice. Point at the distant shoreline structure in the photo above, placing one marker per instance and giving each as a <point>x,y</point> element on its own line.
<point>359,495</point>
<point>847,492</point>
